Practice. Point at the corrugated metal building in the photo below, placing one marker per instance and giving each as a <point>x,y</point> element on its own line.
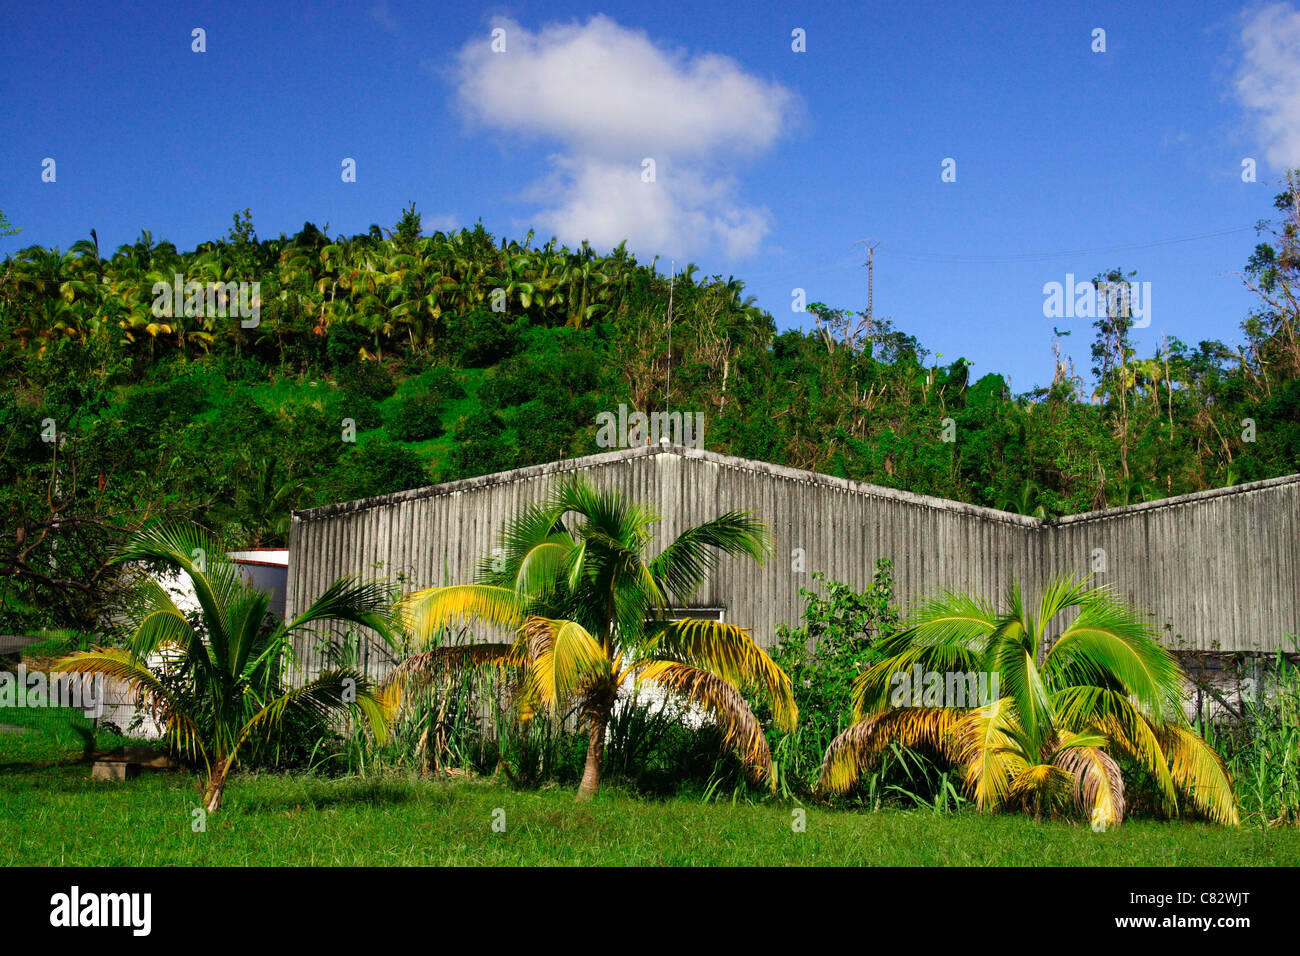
<point>1217,569</point>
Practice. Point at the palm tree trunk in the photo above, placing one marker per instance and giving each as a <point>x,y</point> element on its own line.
<point>216,785</point>
<point>596,724</point>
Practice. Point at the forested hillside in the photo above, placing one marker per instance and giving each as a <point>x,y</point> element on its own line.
<point>391,359</point>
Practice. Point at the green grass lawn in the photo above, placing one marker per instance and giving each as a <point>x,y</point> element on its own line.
<point>40,736</point>
<point>54,814</point>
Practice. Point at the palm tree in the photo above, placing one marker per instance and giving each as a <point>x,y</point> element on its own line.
<point>1025,501</point>
<point>221,682</point>
<point>1105,686</point>
<point>590,613</point>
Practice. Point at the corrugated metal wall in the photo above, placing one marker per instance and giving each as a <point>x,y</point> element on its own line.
<point>1218,569</point>
<point>1219,566</point>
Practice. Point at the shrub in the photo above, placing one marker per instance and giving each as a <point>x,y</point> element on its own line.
<point>440,381</point>
<point>375,467</point>
<point>541,435</point>
<point>414,417</point>
<point>362,409</point>
<point>481,447</point>
<point>371,379</point>
<point>823,656</point>
<point>480,338</point>
<point>345,342</point>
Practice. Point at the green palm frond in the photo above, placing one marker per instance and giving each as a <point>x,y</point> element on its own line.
<point>548,565</point>
<point>1061,593</point>
<point>364,603</point>
<point>608,518</point>
<point>331,691</point>
<point>216,579</point>
<point>1014,659</point>
<point>683,566</point>
<point>172,710</point>
<point>1108,644</point>
<point>951,623</point>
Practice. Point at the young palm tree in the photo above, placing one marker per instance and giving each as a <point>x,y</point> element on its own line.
<point>574,583</point>
<point>221,680</point>
<point>1105,686</point>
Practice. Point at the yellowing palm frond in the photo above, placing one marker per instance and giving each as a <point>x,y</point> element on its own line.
<point>741,730</point>
<point>988,748</point>
<point>1084,709</point>
<point>1098,785</point>
<point>562,657</point>
<point>422,613</point>
<point>857,749</point>
<point>729,652</point>
<point>1040,786</point>
<point>422,669</point>
<point>1200,772</point>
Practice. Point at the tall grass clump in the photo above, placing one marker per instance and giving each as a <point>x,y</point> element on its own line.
<point>1261,742</point>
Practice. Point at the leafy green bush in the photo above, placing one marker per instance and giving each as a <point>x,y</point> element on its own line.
<point>439,380</point>
<point>374,467</point>
<point>362,409</point>
<point>823,656</point>
<point>371,379</point>
<point>414,417</point>
<point>345,342</point>
<point>481,338</point>
<point>540,435</point>
<point>482,447</point>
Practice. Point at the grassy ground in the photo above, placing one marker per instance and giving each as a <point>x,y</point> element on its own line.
<point>39,736</point>
<point>54,814</point>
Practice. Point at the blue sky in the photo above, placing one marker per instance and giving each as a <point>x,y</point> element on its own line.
<point>770,164</point>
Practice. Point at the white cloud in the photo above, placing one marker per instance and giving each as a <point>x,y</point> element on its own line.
<point>445,222</point>
<point>1268,81</point>
<point>382,16</point>
<point>607,97</point>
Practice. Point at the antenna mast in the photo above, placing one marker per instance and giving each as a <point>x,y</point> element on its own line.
<point>871,245</point>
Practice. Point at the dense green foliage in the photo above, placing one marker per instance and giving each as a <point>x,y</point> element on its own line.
<point>1259,738</point>
<point>823,656</point>
<point>381,363</point>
